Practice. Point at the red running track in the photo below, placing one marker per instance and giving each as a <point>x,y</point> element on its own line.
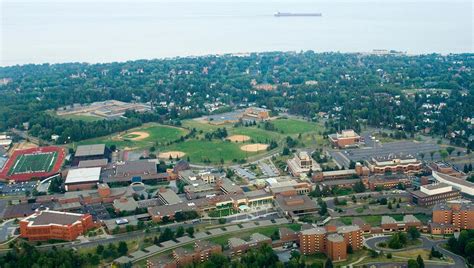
<point>27,176</point>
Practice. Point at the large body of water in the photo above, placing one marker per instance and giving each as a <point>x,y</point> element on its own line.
<point>39,32</point>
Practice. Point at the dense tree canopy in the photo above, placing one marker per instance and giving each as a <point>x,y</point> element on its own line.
<point>409,93</point>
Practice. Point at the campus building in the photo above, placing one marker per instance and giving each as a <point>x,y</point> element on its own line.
<point>337,247</point>
<point>135,171</point>
<point>91,152</point>
<point>388,181</point>
<point>295,206</point>
<point>256,114</point>
<point>239,246</point>
<point>394,163</point>
<point>352,235</point>
<point>344,139</point>
<point>389,224</point>
<point>358,171</point>
<point>201,252</point>
<point>457,182</point>
<point>455,215</point>
<point>47,224</point>
<point>168,197</point>
<point>302,163</point>
<point>82,179</point>
<point>331,241</point>
<point>287,187</point>
<point>432,194</point>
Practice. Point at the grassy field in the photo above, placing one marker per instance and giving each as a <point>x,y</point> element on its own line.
<point>159,135</point>
<point>214,150</point>
<point>200,150</point>
<point>256,134</point>
<point>34,163</point>
<point>81,117</point>
<point>293,126</point>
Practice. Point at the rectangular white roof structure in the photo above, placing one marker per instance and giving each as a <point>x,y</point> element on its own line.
<point>83,175</point>
<point>90,150</point>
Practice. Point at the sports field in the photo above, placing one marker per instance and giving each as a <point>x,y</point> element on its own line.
<point>199,149</point>
<point>39,162</point>
<point>33,163</point>
<point>143,137</point>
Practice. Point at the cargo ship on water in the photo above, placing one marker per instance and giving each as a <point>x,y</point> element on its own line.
<point>289,14</point>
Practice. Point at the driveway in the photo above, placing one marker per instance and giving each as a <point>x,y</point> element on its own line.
<point>427,244</point>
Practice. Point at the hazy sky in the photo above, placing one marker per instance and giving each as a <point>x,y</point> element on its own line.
<point>111,30</point>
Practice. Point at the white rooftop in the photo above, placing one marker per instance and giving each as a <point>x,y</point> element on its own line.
<point>83,175</point>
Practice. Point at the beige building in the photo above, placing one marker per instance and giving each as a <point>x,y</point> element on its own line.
<point>302,163</point>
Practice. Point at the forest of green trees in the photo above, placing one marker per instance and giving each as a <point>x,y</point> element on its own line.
<point>353,89</point>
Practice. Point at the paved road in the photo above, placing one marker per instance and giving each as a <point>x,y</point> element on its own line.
<point>6,229</point>
<point>427,244</point>
<point>32,139</point>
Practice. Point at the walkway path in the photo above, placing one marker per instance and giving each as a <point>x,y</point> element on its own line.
<point>356,262</point>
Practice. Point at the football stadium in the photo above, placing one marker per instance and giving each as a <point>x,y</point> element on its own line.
<point>31,163</point>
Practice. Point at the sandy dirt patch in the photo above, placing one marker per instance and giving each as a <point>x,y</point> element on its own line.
<point>22,146</point>
<point>255,147</point>
<point>137,135</point>
<point>174,154</point>
<point>238,138</point>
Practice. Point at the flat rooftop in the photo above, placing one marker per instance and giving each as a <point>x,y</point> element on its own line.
<point>47,217</point>
<point>136,167</point>
<point>83,175</point>
<point>90,150</point>
<point>313,231</point>
<point>93,163</point>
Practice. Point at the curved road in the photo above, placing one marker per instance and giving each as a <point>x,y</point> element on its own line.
<point>427,244</point>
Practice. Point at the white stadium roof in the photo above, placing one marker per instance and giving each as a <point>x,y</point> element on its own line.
<point>83,175</point>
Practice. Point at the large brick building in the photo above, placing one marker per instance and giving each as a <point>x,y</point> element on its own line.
<point>388,181</point>
<point>389,224</point>
<point>453,215</point>
<point>82,179</point>
<point>394,163</point>
<point>201,252</point>
<point>352,235</point>
<point>332,242</point>
<point>347,138</point>
<point>337,247</point>
<point>47,224</point>
<point>432,194</point>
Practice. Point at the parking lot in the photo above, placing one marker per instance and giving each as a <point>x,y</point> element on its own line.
<point>269,170</point>
<point>344,157</point>
<point>17,188</point>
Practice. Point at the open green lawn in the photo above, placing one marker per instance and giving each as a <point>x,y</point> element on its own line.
<point>159,135</point>
<point>81,117</point>
<point>425,218</point>
<point>373,220</point>
<point>199,125</point>
<point>205,151</point>
<point>214,150</point>
<point>346,220</point>
<point>256,134</point>
<point>294,126</point>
